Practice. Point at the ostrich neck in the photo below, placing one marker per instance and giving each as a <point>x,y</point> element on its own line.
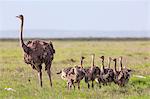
<point>81,63</point>
<point>25,48</point>
<point>103,63</point>
<point>121,63</point>
<point>92,61</point>
<point>109,63</point>
<point>21,35</point>
<point>115,65</point>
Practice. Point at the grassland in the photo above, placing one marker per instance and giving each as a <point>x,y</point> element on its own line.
<point>14,73</point>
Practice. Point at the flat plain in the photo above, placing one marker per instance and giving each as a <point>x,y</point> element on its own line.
<point>15,74</point>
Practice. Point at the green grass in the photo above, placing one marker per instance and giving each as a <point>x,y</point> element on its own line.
<point>14,73</point>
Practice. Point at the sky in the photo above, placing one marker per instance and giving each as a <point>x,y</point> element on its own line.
<point>76,15</point>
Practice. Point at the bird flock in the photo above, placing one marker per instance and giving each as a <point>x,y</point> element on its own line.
<point>103,75</point>
<point>37,52</point>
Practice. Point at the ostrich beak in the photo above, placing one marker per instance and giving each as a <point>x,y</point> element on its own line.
<point>17,16</point>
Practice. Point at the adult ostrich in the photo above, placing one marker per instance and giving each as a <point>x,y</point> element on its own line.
<point>36,53</point>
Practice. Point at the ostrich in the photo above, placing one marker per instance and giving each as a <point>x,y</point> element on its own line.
<point>123,68</point>
<point>64,72</point>
<point>124,75</point>
<point>116,73</point>
<point>103,69</point>
<point>78,74</point>
<point>92,73</point>
<point>110,71</point>
<point>36,53</point>
<point>107,74</point>
<point>119,77</point>
<point>73,74</point>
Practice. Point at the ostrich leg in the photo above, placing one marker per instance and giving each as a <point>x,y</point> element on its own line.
<point>49,72</point>
<point>78,84</point>
<point>88,85</point>
<point>73,85</point>
<point>92,84</point>
<point>40,76</point>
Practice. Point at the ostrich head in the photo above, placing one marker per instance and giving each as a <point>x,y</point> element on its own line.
<point>82,57</point>
<point>120,58</point>
<point>20,17</point>
<point>110,58</point>
<point>102,57</point>
<point>114,59</point>
<point>93,55</point>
